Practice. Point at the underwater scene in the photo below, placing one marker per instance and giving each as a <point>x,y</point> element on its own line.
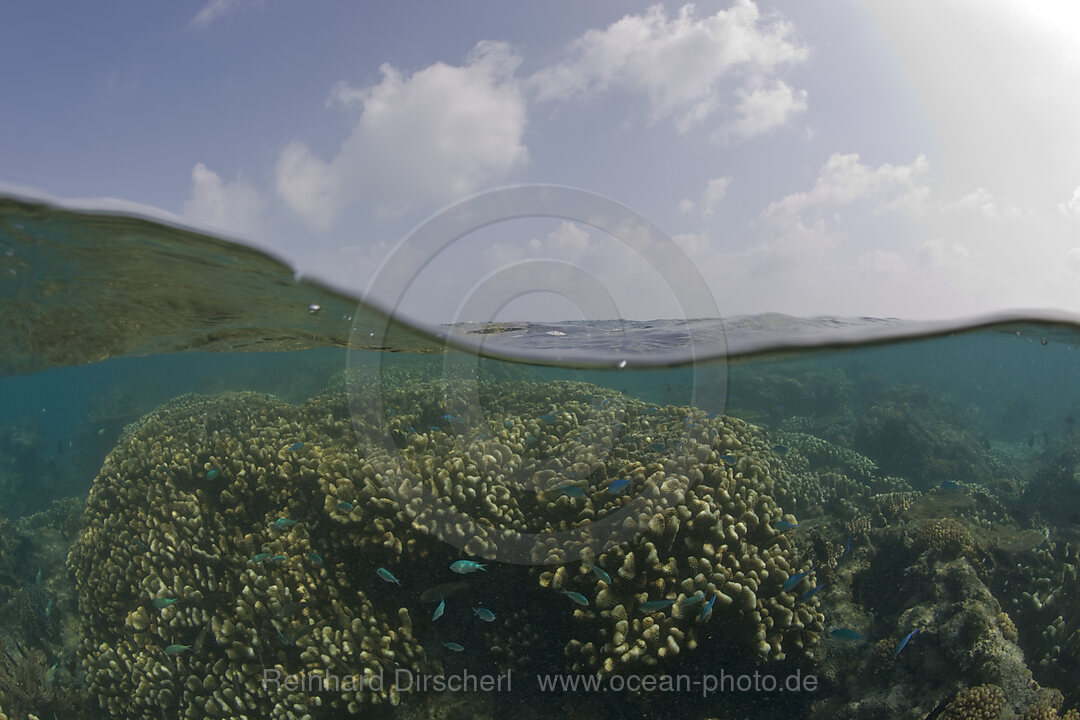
<point>226,492</point>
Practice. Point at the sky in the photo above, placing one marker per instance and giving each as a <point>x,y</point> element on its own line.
<point>874,158</point>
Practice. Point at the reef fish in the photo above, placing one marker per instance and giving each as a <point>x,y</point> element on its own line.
<point>904,642</point>
<point>601,573</point>
<point>691,601</point>
<point>617,486</point>
<point>781,449</point>
<point>811,593</point>
<point>162,603</point>
<point>453,646</point>
<point>576,597</point>
<point>259,557</point>
<point>729,460</point>
<point>549,419</point>
<point>949,486</point>
<point>48,607</point>
<point>844,634</point>
<point>176,649</point>
<point>654,605</point>
<point>464,567</point>
<point>847,546</point>
<point>484,614</point>
<point>212,475</point>
<point>784,526</point>
<point>345,505</point>
<point>387,576</point>
<point>572,490</point>
<point>315,557</point>
<point>794,581</point>
<point>706,612</point>
<point>284,523</point>
<point>439,610</point>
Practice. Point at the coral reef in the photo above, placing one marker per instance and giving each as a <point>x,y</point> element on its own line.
<point>226,535</point>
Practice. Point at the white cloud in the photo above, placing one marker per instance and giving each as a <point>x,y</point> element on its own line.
<point>940,253</point>
<point>983,202</point>
<point>686,67</point>
<point>421,139</point>
<point>763,109</point>
<point>1072,207</point>
<point>714,192</point>
<point>844,179</point>
<point>214,9</point>
<point>234,207</point>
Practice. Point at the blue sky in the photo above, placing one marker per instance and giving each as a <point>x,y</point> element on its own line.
<point>913,159</point>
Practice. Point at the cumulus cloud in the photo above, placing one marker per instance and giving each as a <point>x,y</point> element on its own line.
<point>985,204</point>
<point>763,109</point>
<point>940,253</point>
<point>234,206</point>
<point>420,139</point>
<point>714,192</point>
<point>844,179</point>
<point>1072,206</point>
<point>687,67</point>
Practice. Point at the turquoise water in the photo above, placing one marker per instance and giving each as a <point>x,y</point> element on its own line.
<point>218,503</point>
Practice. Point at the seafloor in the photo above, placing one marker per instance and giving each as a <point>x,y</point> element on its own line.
<point>228,535</point>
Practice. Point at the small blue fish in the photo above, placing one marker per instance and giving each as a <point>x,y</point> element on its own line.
<point>616,486</point>
<point>176,649</point>
<point>140,544</point>
<point>729,460</point>
<point>658,447</point>
<point>259,557</point>
<point>37,578</point>
<point>162,603</point>
<point>439,610</point>
<point>434,428</point>
<point>847,546</point>
<point>484,614</point>
<point>781,449</point>
<point>531,440</point>
<point>576,597</point>
<point>387,576</point>
<point>548,419</point>
<point>212,475</point>
<point>706,612</point>
<point>284,523</point>
<point>48,607</point>
<point>464,567</point>
<point>279,558</point>
<point>651,411</point>
<point>948,486</point>
<point>449,417</point>
<point>783,526</point>
<point>844,634</point>
<point>601,573</point>
<point>296,447</point>
<point>811,593</point>
<point>344,505</point>
<point>904,642</point>
<point>315,557</point>
<point>453,646</point>
<point>572,491</point>
<point>794,581</point>
<point>508,424</point>
<point>691,601</point>
<point>654,605</point>
<point>411,429</point>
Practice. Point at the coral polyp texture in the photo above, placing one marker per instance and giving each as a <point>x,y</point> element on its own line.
<point>230,536</point>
